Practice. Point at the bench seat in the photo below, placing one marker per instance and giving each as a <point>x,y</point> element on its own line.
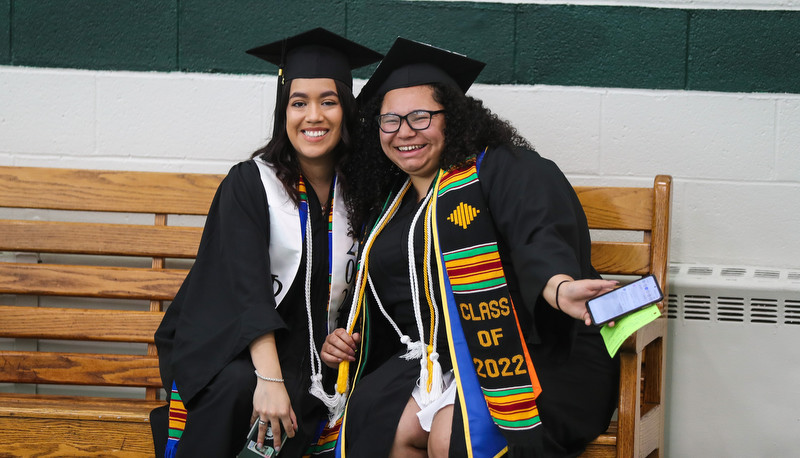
<point>51,425</point>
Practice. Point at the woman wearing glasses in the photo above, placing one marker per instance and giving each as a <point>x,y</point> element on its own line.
<point>468,334</point>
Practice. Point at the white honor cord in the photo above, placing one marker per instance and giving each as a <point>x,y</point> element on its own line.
<point>336,402</point>
<point>416,350</point>
<point>424,375</point>
<point>412,272</point>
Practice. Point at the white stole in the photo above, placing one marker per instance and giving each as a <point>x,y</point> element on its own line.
<point>286,244</point>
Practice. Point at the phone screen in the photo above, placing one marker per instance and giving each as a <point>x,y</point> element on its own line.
<point>635,295</point>
<point>251,448</point>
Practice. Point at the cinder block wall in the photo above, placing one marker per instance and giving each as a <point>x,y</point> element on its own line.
<point>614,94</point>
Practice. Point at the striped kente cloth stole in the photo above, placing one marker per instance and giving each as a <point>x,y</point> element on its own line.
<point>497,384</point>
<point>177,422</point>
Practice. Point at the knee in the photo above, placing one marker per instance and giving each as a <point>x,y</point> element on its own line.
<point>410,434</point>
<point>441,430</point>
<point>438,445</point>
<point>409,437</point>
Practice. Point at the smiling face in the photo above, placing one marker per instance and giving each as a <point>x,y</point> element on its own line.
<point>314,118</point>
<point>416,152</point>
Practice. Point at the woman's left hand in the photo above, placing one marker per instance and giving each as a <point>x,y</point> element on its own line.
<point>271,406</point>
<point>573,294</point>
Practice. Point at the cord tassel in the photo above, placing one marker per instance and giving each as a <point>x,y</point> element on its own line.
<point>425,395</point>
<point>436,384</point>
<point>335,402</point>
<point>415,350</point>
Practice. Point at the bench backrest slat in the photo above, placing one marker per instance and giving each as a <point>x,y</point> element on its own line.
<point>80,369</point>
<point>617,208</point>
<point>99,239</point>
<point>78,324</point>
<point>621,258</point>
<point>90,281</point>
<point>103,190</point>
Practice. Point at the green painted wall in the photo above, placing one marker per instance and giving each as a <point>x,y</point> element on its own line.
<point>608,46</point>
<point>747,51</point>
<point>601,46</point>
<point>5,31</point>
<point>95,34</point>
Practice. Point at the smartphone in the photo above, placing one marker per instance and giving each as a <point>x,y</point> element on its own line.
<point>251,448</point>
<point>633,296</point>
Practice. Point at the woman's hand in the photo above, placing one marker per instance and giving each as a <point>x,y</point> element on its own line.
<point>339,346</point>
<point>271,406</point>
<point>271,403</point>
<point>572,295</point>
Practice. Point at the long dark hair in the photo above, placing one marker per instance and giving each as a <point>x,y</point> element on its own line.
<point>281,154</point>
<point>469,127</point>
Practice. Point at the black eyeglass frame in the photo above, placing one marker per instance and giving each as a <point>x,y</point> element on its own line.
<point>402,118</point>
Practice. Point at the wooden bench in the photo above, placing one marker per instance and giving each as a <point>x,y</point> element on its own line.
<point>89,262</point>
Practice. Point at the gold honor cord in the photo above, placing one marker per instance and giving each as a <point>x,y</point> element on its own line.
<point>426,284</point>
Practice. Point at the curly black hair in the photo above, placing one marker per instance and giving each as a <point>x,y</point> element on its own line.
<point>281,154</point>
<point>469,128</point>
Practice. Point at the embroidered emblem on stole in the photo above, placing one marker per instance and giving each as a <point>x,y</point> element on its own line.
<point>463,215</point>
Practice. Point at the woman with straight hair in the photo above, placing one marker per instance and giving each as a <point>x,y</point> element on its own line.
<point>239,345</point>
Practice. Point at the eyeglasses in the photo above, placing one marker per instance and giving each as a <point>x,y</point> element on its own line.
<point>416,120</point>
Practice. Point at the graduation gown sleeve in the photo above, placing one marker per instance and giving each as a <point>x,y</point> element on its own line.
<point>226,300</point>
<point>542,231</point>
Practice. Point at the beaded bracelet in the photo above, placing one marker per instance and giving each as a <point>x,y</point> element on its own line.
<point>269,379</point>
<point>557,288</point>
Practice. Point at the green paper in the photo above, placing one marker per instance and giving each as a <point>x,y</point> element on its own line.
<point>625,327</point>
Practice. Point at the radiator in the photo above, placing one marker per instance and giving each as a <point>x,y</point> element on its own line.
<point>733,364</point>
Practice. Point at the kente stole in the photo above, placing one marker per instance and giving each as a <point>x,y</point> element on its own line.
<point>177,421</point>
<point>490,359</point>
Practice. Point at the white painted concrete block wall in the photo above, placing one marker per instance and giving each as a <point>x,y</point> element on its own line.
<point>127,120</point>
<point>735,158</point>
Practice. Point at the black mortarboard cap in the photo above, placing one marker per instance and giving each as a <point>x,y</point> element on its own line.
<point>411,63</point>
<point>317,53</point>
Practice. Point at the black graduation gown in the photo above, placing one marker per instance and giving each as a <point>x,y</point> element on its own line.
<point>542,231</point>
<point>227,301</point>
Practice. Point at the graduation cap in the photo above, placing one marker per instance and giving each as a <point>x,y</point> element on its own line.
<point>411,63</point>
<point>317,53</point>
